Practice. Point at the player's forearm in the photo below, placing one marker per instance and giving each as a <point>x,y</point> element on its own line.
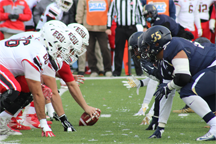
<point>76,94</point>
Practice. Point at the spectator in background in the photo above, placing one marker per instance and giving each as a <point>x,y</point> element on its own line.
<point>207,16</point>
<point>126,13</point>
<point>13,14</point>
<point>187,15</point>
<point>166,7</point>
<point>95,22</point>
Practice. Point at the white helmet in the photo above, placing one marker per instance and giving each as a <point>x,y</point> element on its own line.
<point>55,23</point>
<point>55,41</point>
<point>64,5</point>
<point>76,46</point>
<point>82,31</point>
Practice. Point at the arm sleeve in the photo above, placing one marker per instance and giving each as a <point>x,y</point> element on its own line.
<point>30,71</point>
<point>172,9</point>
<point>110,14</point>
<point>142,20</point>
<point>65,73</point>
<point>49,72</point>
<point>80,11</point>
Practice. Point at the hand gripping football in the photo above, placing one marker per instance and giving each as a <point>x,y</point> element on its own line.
<point>86,120</point>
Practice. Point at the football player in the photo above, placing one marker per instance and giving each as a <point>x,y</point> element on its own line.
<point>28,57</point>
<point>151,15</point>
<point>194,68</point>
<point>54,11</point>
<point>187,15</point>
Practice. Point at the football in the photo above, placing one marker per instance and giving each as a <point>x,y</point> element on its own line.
<point>86,120</point>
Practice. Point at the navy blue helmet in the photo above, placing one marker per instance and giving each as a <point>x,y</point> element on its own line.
<point>150,13</point>
<point>153,40</point>
<point>133,43</point>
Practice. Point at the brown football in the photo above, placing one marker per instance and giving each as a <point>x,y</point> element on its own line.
<point>86,120</point>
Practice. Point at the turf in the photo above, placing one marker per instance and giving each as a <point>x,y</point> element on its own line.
<point>122,127</point>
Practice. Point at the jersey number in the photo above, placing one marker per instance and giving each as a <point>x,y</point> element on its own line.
<point>156,36</point>
<point>202,8</point>
<point>16,42</point>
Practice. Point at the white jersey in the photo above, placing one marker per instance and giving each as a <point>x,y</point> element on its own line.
<point>50,71</point>
<point>53,11</point>
<point>204,6</point>
<point>14,53</point>
<point>187,13</point>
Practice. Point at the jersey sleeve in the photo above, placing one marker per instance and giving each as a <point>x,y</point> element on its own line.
<point>31,71</point>
<point>65,73</point>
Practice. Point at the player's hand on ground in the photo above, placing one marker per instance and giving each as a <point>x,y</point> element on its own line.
<point>47,92</point>
<point>146,120</point>
<point>47,132</point>
<point>158,133</point>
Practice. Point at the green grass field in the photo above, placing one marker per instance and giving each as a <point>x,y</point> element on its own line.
<point>122,127</point>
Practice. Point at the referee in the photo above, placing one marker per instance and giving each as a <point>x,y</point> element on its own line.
<point>128,13</point>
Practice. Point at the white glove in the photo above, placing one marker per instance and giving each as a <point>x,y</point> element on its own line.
<point>46,130</point>
<point>142,110</point>
<point>200,32</point>
<point>146,120</point>
<point>212,25</point>
<point>131,83</point>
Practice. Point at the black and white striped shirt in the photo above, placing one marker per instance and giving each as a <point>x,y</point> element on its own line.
<point>127,12</point>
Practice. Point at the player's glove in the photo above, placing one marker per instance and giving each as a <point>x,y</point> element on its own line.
<point>142,110</point>
<point>161,91</point>
<point>158,133</point>
<point>132,82</point>
<point>154,124</point>
<point>46,131</point>
<point>147,119</point>
<point>147,66</point>
<point>212,25</point>
<point>66,124</point>
<point>13,16</point>
<point>47,92</point>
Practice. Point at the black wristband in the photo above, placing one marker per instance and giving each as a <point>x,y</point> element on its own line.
<point>63,118</point>
<point>141,82</point>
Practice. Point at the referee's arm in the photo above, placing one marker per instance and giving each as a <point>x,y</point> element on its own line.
<point>110,17</point>
<point>139,13</point>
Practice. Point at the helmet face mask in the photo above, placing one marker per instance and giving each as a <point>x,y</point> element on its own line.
<point>64,5</point>
<point>76,48</point>
<point>55,41</point>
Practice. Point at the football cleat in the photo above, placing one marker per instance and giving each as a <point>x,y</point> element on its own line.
<point>153,125</point>
<point>5,129</point>
<point>185,109</point>
<point>158,133</point>
<point>206,137</point>
<point>32,121</point>
<point>14,124</point>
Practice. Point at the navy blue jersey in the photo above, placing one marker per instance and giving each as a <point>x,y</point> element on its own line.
<point>200,57</point>
<point>167,22</point>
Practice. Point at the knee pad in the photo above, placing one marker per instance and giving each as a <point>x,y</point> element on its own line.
<point>7,99</point>
<point>22,100</point>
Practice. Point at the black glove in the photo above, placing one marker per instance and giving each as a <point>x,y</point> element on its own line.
<point>13,16</point>
<point>161,91</point>
<point>148,67</point>
<point>153,125</point>
<point>66,124</point>
<point>158,133</point>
